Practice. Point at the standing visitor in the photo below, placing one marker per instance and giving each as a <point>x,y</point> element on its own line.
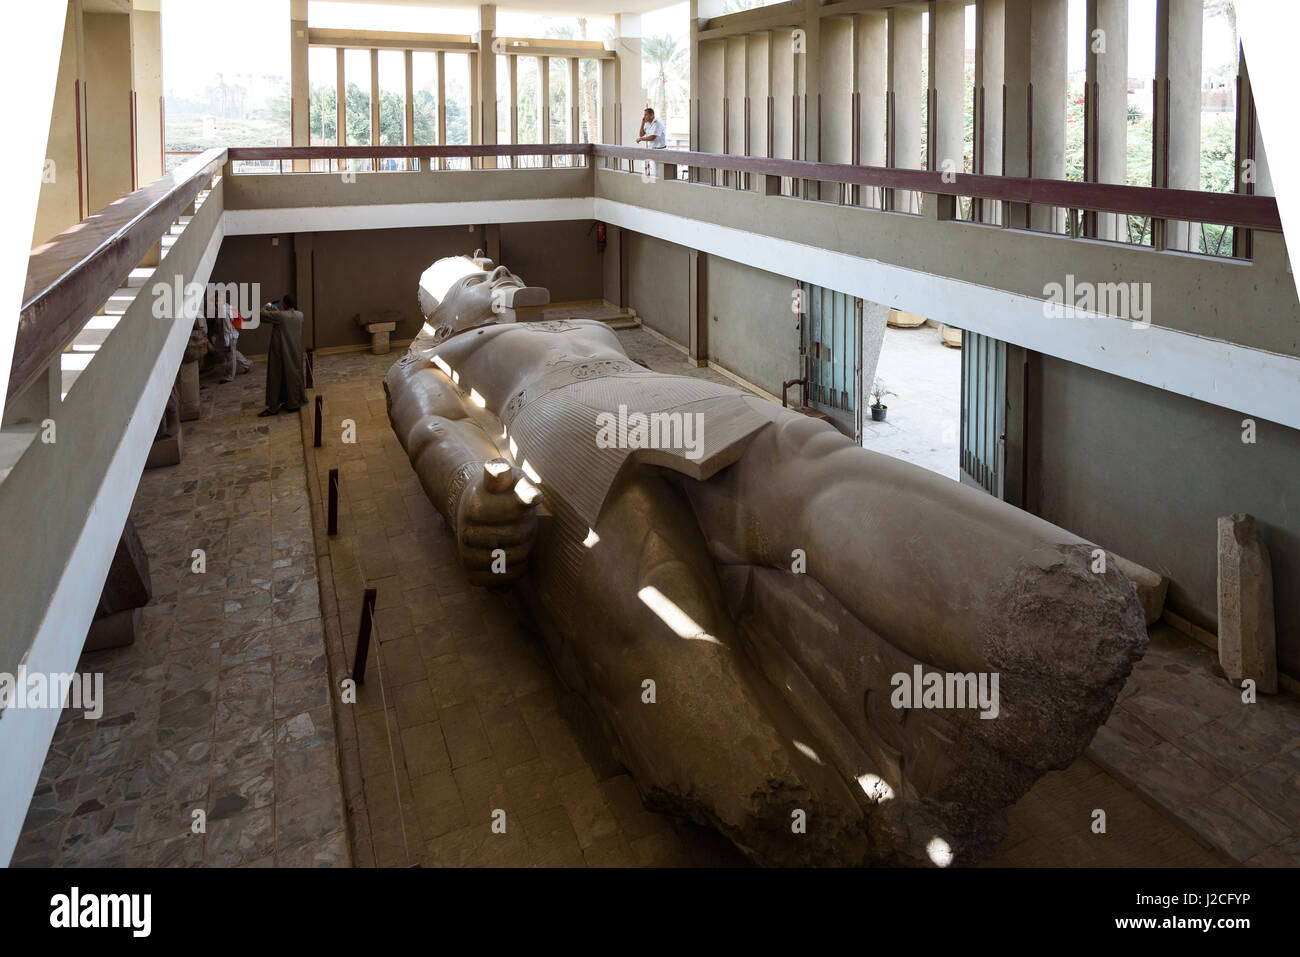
<point>284,373</point>
<point>653,134</point>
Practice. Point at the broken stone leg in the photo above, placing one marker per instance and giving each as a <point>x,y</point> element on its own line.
<point>1247,637</point>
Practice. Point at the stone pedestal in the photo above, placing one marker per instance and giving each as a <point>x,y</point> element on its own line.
<point>380,327</point>
<point>379,333</point>
<point>1247,637</point>
<point>187,382</point>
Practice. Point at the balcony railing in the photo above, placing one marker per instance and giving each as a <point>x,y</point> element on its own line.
<point>990,200</point>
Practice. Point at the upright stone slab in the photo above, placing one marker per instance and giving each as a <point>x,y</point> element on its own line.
<point>187,381</point>
<point>1247,638</point>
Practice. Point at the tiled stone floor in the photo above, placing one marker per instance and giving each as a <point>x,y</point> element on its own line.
<point>220,705</point>
<point>1229,771</point>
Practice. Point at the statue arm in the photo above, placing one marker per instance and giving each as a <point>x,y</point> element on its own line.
<point>449,450</point>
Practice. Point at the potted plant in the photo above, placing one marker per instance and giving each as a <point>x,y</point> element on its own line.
<point>878,407</point>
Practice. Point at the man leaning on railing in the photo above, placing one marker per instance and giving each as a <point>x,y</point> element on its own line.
<point>653,134</point>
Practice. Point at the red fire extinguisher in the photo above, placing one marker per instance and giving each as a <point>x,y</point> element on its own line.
<point>600,237</point>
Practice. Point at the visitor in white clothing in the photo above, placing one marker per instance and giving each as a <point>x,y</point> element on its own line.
<point>653,135</point>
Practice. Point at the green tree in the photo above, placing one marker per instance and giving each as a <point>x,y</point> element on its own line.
<point>666,55</point>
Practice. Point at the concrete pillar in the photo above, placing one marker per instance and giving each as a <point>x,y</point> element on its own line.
<point>808,75</point>
<point>60,203</point>
<point>1107,104</point>
<point>608,99</point>
<point>146,65</point>
<point>487,79</point>
<point>947,85</point>
<point>736,90</point>
<point>699,13</point>
<point>697,329</point>
<point>109,137</point>
<point>905,99</point>
<point>544,101</point>
<point>374,107</point>
<point>299,81</point>
<point>304,284</point>
<point>989,85</point>
<point>837,68</point>
<point>872,93</point>
<point>1047,72</point>
<point>759,59</point>
<point>781,61</point>
<point>631,94</point>
<point>340,103</point>
<point>712,82</point>
<point>1177,126</point>
<point>1016,40</point>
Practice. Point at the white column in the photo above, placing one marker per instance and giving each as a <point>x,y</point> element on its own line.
<point>631,94</point>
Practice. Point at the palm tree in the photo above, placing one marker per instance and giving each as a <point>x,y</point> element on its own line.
<point>664,52</point>
<point>1225,9</point>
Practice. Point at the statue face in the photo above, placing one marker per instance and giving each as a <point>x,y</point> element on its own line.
<point>470,300</point>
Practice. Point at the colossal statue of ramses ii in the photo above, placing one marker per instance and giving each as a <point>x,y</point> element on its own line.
<point>829,655</point>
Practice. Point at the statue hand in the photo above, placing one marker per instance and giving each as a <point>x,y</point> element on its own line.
<point>496,524</point>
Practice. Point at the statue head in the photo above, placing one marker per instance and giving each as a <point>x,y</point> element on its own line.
<point>459,293</point>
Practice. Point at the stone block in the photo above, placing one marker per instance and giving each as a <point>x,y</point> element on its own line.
<point>1151,586</point>
<point>187,382</point>
<point>113,631</point>
<point>165,451</point>
<point>1247,635</point>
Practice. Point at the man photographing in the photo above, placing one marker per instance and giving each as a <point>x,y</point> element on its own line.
<point>653,135</point>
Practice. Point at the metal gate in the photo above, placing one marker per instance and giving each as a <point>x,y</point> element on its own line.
<point>832,333</point>
<point>983,411</point>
